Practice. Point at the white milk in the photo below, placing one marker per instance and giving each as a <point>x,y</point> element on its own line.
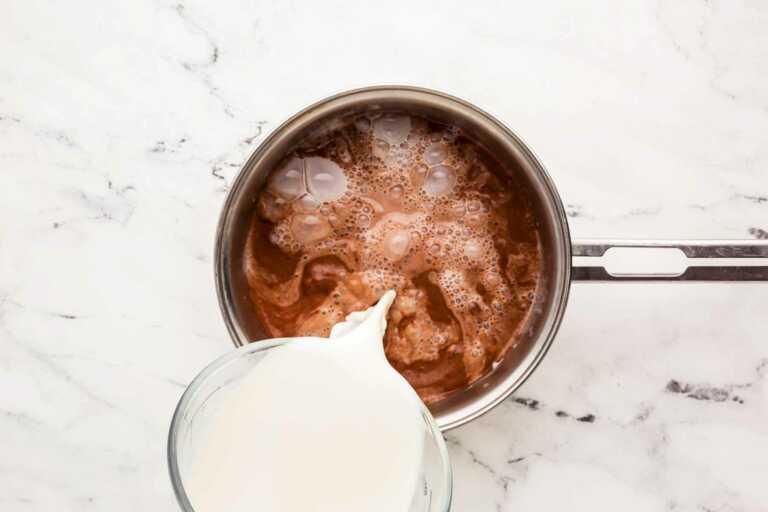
<point>315,426</point>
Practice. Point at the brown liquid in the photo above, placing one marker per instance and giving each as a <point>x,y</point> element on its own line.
<point>398,201</point>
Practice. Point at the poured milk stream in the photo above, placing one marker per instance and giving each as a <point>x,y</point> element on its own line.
<point>315,426</point>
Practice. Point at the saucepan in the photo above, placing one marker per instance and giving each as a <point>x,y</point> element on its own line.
<point>564,261</point>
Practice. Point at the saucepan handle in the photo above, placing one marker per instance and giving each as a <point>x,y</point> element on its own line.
<point>707,260</point>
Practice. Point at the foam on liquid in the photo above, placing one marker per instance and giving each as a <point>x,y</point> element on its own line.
<point>317,425</point>
<point>388,200</point>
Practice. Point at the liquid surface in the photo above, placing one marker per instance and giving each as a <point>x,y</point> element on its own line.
<point>397,201</point>
<point>320,425</point>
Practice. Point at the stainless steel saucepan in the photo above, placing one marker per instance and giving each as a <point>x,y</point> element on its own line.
<point>559,269</point>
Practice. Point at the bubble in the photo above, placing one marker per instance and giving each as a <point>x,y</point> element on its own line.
<point>325,180</point>
<point>307,203</point>
<point>273,208</point>
<point>288,181</point>
<point>396,244</point>
<point>391,128</point>
<point>309,228</point>
<point>473,249</point>
<point>435,153</point>
<point>474,206</point>
<point>381,149</point>
<point>396,192</point>
<point>440,180</point>
<point>363,124</point>
<point>473,219</point>
<point>364,220</point>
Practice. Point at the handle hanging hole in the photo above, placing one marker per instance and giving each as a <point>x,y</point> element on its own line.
<point>628,261</point>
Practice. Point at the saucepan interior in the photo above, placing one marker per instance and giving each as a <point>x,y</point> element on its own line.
<point>552,292</point>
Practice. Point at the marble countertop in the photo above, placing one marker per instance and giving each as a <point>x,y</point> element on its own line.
<point>122,125</point>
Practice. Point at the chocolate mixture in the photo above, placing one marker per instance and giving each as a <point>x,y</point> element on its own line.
<point>394,201</point>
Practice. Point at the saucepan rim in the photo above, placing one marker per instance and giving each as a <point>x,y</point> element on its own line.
<point>559,283</point>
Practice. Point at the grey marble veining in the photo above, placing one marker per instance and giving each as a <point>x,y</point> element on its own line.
<point>122,125</point>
